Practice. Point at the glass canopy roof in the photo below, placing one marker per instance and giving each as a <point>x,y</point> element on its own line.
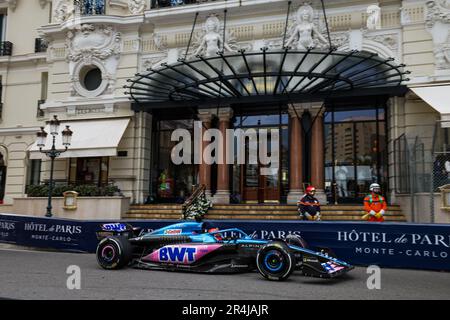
<point>235,76</point>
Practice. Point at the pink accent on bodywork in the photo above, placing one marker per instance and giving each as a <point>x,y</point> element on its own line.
<point>201,251</point>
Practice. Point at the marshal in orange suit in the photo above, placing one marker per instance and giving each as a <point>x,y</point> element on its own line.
<point>375,204</point>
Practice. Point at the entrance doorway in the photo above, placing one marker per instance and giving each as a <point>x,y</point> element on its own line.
<point>355,152</point>
<point>256,182</point>
<point>258,186</point>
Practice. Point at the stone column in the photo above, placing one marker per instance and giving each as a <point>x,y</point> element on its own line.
<point>317,154</point>
<point>296,155</point>
<point>204,170</point>
<point>222,195</point>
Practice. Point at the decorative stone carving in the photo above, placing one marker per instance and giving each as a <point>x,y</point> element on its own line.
<point>152,62</point>
<point>437,11</point>
<point>340,39</point>
<point>374,18</point>
<point>389,40</point>
<point>159,42</point>
<point>62,11</point>
<point>92,46</point>
<point>122,4</point>
<point>12,4</point>
<point>438,23</point>
<point>212,40</point>
<point>271,44</point>
<point>93,41</point>
<point>304,34</point>
<point>136,6</point>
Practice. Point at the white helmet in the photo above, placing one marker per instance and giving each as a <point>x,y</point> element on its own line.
<point>375,187</point>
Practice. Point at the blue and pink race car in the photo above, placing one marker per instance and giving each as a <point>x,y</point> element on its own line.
<point>199,247</point>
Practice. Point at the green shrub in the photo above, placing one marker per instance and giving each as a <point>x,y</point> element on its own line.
<point>87,190</point>
<point>109,190</point>
<point>37,190</point>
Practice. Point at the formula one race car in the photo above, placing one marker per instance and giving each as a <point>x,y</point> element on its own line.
<point>198,247</point>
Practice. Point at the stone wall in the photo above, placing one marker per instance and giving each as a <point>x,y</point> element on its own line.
<point>91,208</point>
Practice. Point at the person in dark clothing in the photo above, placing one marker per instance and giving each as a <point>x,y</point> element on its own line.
<point>309,206</point>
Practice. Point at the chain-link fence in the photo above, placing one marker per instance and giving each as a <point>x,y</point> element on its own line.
<point>413,169</point>
<point>422,169</point>
<point>440,172</point>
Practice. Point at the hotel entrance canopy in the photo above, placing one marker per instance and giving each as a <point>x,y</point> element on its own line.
<point>268,75</point>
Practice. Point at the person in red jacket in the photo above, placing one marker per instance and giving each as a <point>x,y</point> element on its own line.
<point>309,206</point>
<point>375,204</point>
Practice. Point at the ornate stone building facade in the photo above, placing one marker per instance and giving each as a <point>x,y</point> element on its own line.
<point>93,47</point>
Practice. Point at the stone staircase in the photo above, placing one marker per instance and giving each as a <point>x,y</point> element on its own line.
<point>258,212</point>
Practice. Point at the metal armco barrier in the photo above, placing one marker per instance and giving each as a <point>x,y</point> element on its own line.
<point>403,245</point>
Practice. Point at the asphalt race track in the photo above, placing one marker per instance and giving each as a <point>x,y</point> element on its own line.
<point>42,275</point>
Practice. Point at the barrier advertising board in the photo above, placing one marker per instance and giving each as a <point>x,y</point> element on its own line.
<point>417,246</point>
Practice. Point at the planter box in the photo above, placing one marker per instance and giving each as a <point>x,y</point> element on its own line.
<point>88,208</point>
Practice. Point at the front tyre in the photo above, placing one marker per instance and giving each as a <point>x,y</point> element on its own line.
<point>114,253</point>
<point>275,261</point>
<point>296,240</point>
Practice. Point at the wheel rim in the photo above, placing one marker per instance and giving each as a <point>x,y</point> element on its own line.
<point>108,253</point>
<point>274,261</point>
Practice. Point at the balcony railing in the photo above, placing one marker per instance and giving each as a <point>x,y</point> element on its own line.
<point>155,4</point>
<point>40,113</point>
<point>40,45</point>
<point>6,48</point>
<point>90,7</point>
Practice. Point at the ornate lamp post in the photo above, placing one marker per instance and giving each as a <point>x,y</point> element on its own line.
<point>53,153</point>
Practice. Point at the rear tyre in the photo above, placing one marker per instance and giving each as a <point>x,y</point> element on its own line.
<point>114,253</point>
<point>275,261</point>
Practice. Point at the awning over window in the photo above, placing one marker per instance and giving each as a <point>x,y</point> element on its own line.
<point>438,97</point>
<point>91,138</point>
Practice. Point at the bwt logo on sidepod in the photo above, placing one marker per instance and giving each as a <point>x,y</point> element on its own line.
<point>177,254</point>
<point>118,227</point>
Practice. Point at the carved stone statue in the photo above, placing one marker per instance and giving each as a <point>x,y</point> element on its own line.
<point>374,18</point>
<point>305,31</point>
<point>62,11</point>
<point>212,41</point>
<point>437,20</point>
<point>136,6</point>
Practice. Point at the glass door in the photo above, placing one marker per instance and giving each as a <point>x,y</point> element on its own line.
<point>344,164</point>
<point>261,183</point>
<point>355,153</point>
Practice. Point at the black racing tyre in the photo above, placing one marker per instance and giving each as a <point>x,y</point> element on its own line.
<point>114,253</point>
<point>296,241</point>
<point>275,261</point>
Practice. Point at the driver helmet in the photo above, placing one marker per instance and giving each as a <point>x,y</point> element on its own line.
<point>375,187</point>
<point>310,190</point>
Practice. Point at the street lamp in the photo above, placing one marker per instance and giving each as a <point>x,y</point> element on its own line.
<point>53,153</point>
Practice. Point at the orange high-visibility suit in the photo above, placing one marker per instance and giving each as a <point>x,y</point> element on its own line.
<point>375,205</point>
